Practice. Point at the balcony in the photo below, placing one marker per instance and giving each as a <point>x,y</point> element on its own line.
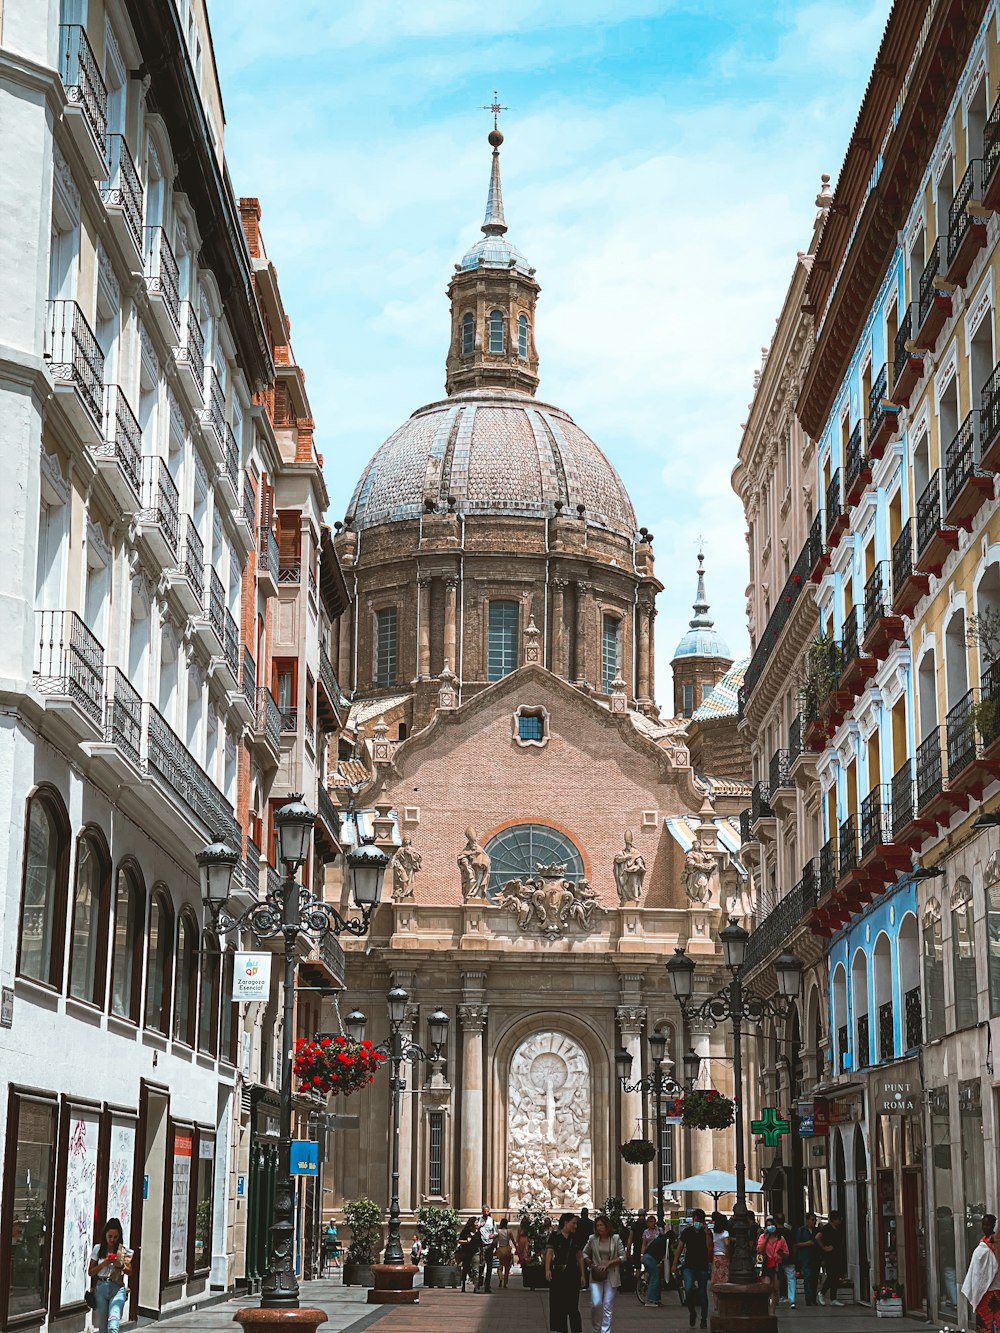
<point>251,869</point>
<point>327,826</point>
<point>189,358</point>
<point>883,416</point>
<point>746,836</point>
<point>121,191</point>
<point>886,1035</point>
<point>86,113</point>
<point>966,223</point>
<point>246,700</point>
<point>934,307</point>
<point>815,729</point>
<point>119,456</point>
<point>836,514</point>
<point>989,423</point>
<point>856,668</point>
<point>989,717</point>
<point>779,617</point>
<point>862,1051</point>
<point>330,701</point>
<point>289,571</point>
<point>991,159</point>
<point>876,821</point>
<point>843,1062</point>
<point>857,469</point>
<point>882,627</point>
<point>936,800</point>
<point>881,851</point>
<point>187,581</point>
<point>780,785</point>
<point>935,540</point>
<point>76,365</point>
<point>69,669</point>
<point>966,486</point>
<point>227,667</point>
<point>267,727</point>
<point>197,798</point>
<point>162,284</point>
<point>909,584</point>
<point>914,1018</point>
<point>760,807</point>
<point>289,721</point>
<point>908,361</point>
<point>123,722</point>
<point>159,518</point>
<point>903,808</point>
<point>213,414</point>
<point>847,848</point>
<point>775,931</point>
<point>210,624</point>
<point>825,665</point>
<point>267,562</point>
<point>965,774</point>
<point>819,561</point>
<point>828,863</point>
<point>230,470</point>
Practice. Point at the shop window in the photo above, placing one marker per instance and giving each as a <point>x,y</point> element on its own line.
<point>501,648</point>
<point>208,1011</point>
<point>43,893</point>
<point>610,651</point>
<point>31,1150</point>
<point>182,1148</point>
<point>963,954</point>
<point>385,646</point>
<point>970,1114</point>
<point>159,967</point>
<point>126,948</point>
<point>435,1154</point>
<point>933,971</point>
<point>186,990</point>
<point>522,337</point>
<point>944,1216</point>
<point>91,894</point>
<point>203,1172</point>
<point>468,333</point>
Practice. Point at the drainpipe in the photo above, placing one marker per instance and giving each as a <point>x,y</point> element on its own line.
<point>545,602</point>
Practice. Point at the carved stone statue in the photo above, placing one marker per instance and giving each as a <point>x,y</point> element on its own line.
<point>630,871</point>
<point>699,868</point>
<point>550,903</point>
<point>474,865</point>
<point>404,866</point>
<point>549,1157</point>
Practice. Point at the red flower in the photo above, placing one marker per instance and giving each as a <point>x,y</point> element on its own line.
<point>317,1079</point>
<point>325,1041</point>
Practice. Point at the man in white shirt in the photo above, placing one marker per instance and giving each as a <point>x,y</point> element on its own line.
<point>488,1236</point>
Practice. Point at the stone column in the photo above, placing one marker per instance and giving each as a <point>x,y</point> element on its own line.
<point>345,635</point>
<point>558,635</point>
<point>582,602</point>
<point>630,1021</point>
<point>642,648</point>
<point>652,653</point>
<point>472,1018</point>
<point>701,1140</point>
<point>451,623</point>
<point>424,659</point>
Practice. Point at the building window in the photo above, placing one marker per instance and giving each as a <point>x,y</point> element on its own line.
<point>522,337</point>
<point>518,851</point>
<point>204,1182</point>
<point>531,727</point>
<point>31,1143</point>
<point>944,1224</point>
<point>126,955</point>
<point>610,651</point>
<point>963,954</point>
<point>687,708</point>
<point>468,334</point>
<point>970,1111</point>
<point>666,1156</point>
<point>497,339</point>
<point>181,1161</point>
<point>159,967</point>
<point>91,892</point>
<point>186,1007</point>
<point>385,646</point>
<point>435,1154</point>
<point>43,896</point>
<point>934,971</point>
<point>229,1031</point>
<point>501,653</point>
<point>208,1012</point>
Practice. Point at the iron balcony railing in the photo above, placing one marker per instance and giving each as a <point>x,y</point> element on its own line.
<point>989,698</point>
<point>878,594</point>
<point>123,189</point>
<point>886,1036</point>
<point>309,732</point>
<point>877,411</point>
<point>854,459</point>
<point>331,951</point>
<point>902,798</point>
<point>192,349</point>
<point>741,702</point>
<point>328,676</point>
<point>69,661</point>
<point>162,277</point>
<point>991,142</point>
<point>760,807</point>
<point>961,458</point>
<point>327,810</point>
<point>914,1015</point>
<point>289,571</point>
<point>876,819</point>
<point>834,501</point>
<point>970,189</point>
<point>289,720</point>
<point>842,1048</point>
<point>268,717</point>
<point>232,458</point>
<point>779,774</point>
<point>932,269</point>
<point>122,438</point>
<point>81,76</point>
<point>248,679</point>
<point>267,552</point>
<point>122,714</point>
<point>191,558</point>
<point>778,925</point>
<point>74,354</point>
<point>159,500</point>
<point>745,834</point>
<point>313,586</point>
<point>251,869</point>
<point>795,739</point>
<point>929,768</point>
<point>863,1052</point>
<point>814,542</point>
<point>215,603</point>
<point>231,642</point>
<point>847,845</point>
<point>904,333</point>
<point>989,407</point>
<point>928,513</point>
<point>902,556</point>
<point>249,504</point>
<point>960,733</point>
<point>273,882</point>
<point>214,412</point>
<point>850,644</point>
<point>168,757</point>
<point>828,862</point>
<point>785,605</point>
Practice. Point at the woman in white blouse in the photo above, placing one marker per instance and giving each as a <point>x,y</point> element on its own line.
<point>603,1255</point>
<point>110,1263</point>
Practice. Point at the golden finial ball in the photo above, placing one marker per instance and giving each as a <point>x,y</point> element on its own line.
<point>496,138</point>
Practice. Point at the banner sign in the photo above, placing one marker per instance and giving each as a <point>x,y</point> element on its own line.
<point>252,976</point>
<point>897,1093</point>
<point>304,1157</point>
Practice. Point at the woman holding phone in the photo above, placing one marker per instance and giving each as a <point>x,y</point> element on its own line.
<point>110,1264</point>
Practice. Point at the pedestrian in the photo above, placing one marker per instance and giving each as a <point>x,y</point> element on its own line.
<point>654,1250</point>
<point>788,1267</point>
<point>488,1240</point>
<point>584,1227</point>
<point>635,1229</point>
<point>694,1258</point>
<point>416,1249</point>
<point>110,1264</point>
<point>505,1253</point>
<point>807,1256</point>
<point>981,1287</point>
<point>469,1246</point>
<point>564,1274</point>
<point>833,1245</point>
<point>603,1254</point>
<point>523,1246</point>
<point>720,1252</point>
<point>773,1250</point>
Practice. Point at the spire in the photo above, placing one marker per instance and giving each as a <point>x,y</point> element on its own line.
<point>494,224</point>
<point>701,619</point>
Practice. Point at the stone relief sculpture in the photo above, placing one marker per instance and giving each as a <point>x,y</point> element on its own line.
<point>630,871</point>
<point>699,869</point>
<point>404,866</point>
<point>549,1150</point>
<point>474,865</point>
<point>550,903</point>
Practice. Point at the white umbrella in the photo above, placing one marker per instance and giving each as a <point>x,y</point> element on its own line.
<point>712,1182</point>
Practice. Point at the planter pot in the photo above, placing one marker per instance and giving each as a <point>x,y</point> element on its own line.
<point>442,1275</point>
<point>533,1276</point>
<point>358,1275</point>
<point>889,1309</point>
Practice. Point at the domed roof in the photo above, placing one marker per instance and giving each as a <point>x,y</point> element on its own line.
<point>701,639</point>
<point>492,453</point>
<point>495,251</point>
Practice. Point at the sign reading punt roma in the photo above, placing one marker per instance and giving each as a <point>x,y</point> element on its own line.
<point>252,976</point>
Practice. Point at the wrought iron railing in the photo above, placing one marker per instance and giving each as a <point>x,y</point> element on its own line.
<point>876,819</point>
<point>192,349</point>
<point>122,438</point>
<point>914,1015</point>
<point>932,269</point>
<point>850,643</point>
<point>328,676</point>
<point>168,757</point>
<point>267,552</point>
<point>989,698</point>
<point>877,410</point>
<point>991,142</point>
<point>251,868</point>
<point>289,571</point>
<point>847,845</point>
<point>970,188</point>
<point>960,732</point>
<point>886,1036</point>
<point>123,189</point>
<point>231,642</point>
<point>313,587</point>
<point>778,773</point>
<point>122,714</point>
<point>81,76</point>
<point>834,501</point>
<point>928,513</point>
<point>814,542</point>
<point>191,558</point>
<point>215,603</point>
<point>903,335</point>
<point>69,661</point>
<point>745,834</point>
<point>795,739</point>
<point>289,719</point>
<point>878,594</point>
<point>783,608</point>
<point>929,768</point>
<point>248,679</point>
<point>327,810</point>
<point>249,504</point>
<point>331,951</point>
<point>74,354</point>
<point>854,457</point>
<point>989,407</point>
<point>902,555</point>
<point>268,716</point>
<point>162,276</point>
<point>760,806</point>
<point>232,458</point>
<point>842,1048</point>
<point>214,412</point>
<point>902,798</point>
<point>863,1044</point>
<point>828,866</point>
<point>779,923</point>
<point>961,458</point>
<point>273,882</point>
<point>159,500</point>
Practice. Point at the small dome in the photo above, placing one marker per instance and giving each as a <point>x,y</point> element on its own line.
<point>495,251</point>
<point>702,639</point>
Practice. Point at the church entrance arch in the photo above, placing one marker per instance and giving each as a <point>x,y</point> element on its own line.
<point>550,1146</point>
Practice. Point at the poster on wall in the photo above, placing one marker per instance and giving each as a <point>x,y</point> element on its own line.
<point>121,1175</point>
<point>252,976</point>
<point>180,1202</point>
<point>78,1213</point>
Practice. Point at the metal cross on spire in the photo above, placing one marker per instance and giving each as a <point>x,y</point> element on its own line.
<point>496,108</point>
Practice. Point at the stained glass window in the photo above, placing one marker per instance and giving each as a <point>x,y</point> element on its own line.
<point>518,851</point>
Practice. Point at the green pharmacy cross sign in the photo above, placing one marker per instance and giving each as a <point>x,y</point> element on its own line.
<point>770,1126</point>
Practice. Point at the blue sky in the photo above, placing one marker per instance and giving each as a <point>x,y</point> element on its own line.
<point>660,168</point>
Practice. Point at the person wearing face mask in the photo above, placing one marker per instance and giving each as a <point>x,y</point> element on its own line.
<point>773,1249</point>
<point>694,1258</point>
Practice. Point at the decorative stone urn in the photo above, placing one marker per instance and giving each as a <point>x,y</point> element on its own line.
<point>394,1285</point>
<point>743,1308</point>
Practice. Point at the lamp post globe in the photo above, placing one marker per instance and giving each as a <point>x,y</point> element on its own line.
<point>216,864</point>
<point>657,1044</point>
<point>397,999</point>
<point>623,1063</point>
<point>733,939</point>
<point>366,865</point>
<point>438,1024</point>
<point>355,1024</point>
<point>680,970</point>
<point>789,973</point>
<point>692,1067</point>
<point>294,822</point>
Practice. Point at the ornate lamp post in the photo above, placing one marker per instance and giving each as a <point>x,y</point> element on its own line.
<point>738,1007</point>
<point>660,1083</point>
<point>290,912</point>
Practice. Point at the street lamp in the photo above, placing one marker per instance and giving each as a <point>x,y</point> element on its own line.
<point>659,1083</point>
<point>288,912</point>
<point>738,1007</point>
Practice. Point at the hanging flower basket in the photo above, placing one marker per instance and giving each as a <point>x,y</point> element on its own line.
<point>708,1110</point>
<point>335,1064</point>
<point>638,1151</point>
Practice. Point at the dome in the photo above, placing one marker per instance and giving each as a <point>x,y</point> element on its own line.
<point>497,453</point>
<point>495,252</point>
<point>702,639</point>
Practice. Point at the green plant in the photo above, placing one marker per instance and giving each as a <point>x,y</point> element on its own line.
<point>439,1228</point>
<point>708,1110</point>
<point>365,1220</point>
<point>985,716</point>
<point>534,1218</point>
<point>638,1151</point>
<point>822,667</point>
<point>621,1217</point>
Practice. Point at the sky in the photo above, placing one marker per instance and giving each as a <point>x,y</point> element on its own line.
<point>660,167</point>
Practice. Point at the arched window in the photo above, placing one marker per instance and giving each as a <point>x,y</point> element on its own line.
<point>611,651</point>
<point>186,985</point>
<point>934,971</point>
<point>208,1010</point>
<point>908,945</point>
<point>859,998</point>
<point>126,948</point>
<point>522,337</point>
<point>963,954</point>
<point>885,1044</point>
<point>91,903</point>
<point>159,968</point>
<point>498,341</point>
<point>841,1061</point>
<point>518,851</point>
<point>502,635</point>
<point>43,894</point>
<point>468,333</point>
<point>229,1029</point>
